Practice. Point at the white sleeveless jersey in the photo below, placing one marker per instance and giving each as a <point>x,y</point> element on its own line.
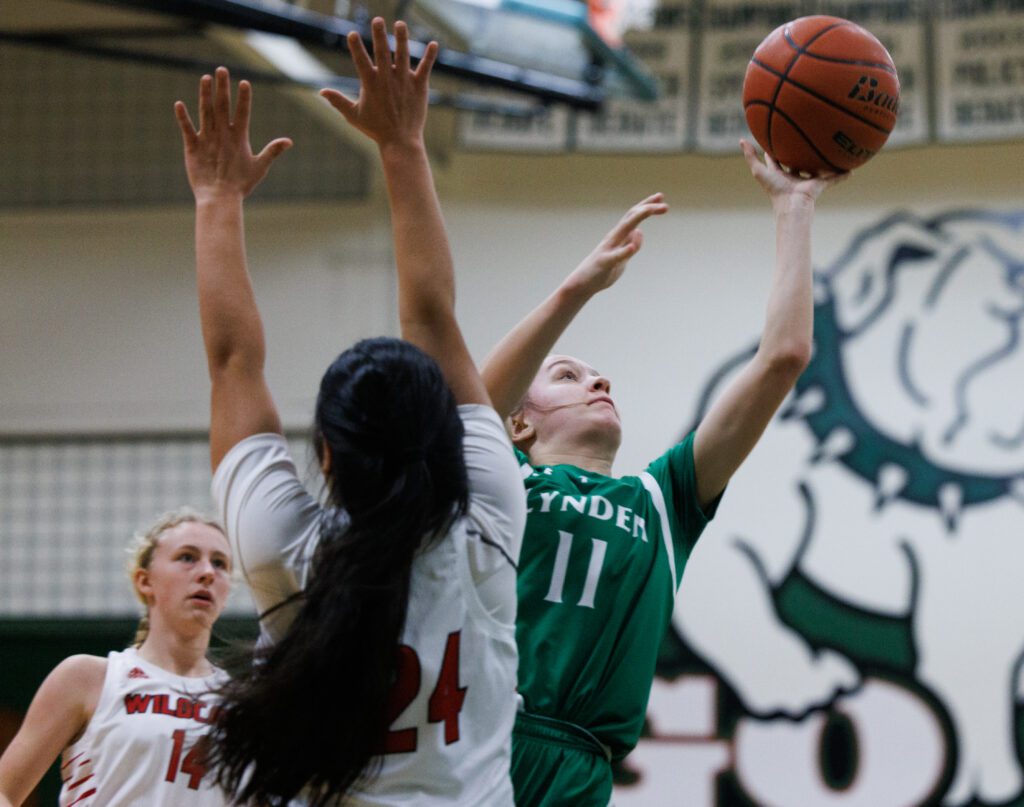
<point>454,702</point>
<point>139,747</point>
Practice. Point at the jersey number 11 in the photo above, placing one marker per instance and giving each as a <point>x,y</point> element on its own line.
<point>562,566</point>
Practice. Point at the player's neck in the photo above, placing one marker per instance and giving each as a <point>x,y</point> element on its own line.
<point>593,460</point>
<point>593,450</point>
<point>180,655</point>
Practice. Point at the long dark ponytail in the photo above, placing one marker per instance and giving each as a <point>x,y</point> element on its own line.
<point>312,712</point>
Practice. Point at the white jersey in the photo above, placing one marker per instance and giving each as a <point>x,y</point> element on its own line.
<point>451,743</point>
<point>138,749</point>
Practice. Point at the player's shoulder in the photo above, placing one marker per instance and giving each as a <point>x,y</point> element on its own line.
<point>83,672</point>
<point>82,668</point>
<point>75,684</point>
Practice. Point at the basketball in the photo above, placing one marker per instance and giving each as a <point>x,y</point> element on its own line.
<point>821,95</point>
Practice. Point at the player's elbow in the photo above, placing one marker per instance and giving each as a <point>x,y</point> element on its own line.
<point>232,361</point>
<point>786,362</point>
<point>437,314</point>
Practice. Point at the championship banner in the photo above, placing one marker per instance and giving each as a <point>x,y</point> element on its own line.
<point>730,32</point>
<point>545,131</point>
<point>901,26</point>
<point>848,632</point>
<point>960,64</point>
<point>636,126</point>
<point>980,70</point>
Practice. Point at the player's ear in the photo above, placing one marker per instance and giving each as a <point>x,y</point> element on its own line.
<point>325,457</point>
<point>520,429</point>
<point>143,585</point>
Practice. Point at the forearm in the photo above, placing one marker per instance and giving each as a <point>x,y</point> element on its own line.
<point>231,326</point>
<point>738,418</point>
<point>426,278</point>
<point>515,360</point>
<point>789,320</point>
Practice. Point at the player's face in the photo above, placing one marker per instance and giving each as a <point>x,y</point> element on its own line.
<point>570,397</point>
<point>189,575</point>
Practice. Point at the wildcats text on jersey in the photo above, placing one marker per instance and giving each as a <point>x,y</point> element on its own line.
<point>184,708</point>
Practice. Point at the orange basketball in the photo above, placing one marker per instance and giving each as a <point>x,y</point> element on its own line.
<point>821,94</point>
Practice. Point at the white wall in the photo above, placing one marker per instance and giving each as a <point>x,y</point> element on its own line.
<point>98,317</point>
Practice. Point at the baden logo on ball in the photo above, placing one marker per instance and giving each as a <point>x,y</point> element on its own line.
<point>821,95</point>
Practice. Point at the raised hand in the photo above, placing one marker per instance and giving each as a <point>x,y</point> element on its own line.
<point>605,265</point>
<point>778,184</point>
<point>218,156</point>
<point>392,104</point>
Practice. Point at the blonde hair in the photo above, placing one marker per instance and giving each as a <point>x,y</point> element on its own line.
<point>144,544</point>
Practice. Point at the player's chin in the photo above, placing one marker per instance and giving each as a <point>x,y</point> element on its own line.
<point>607,414</point>
<point>204,612</point>
<point>611,427</point>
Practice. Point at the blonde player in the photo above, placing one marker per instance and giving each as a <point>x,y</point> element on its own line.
<point>387,668</point>
<point>130,725</point>
<point>603,556</point>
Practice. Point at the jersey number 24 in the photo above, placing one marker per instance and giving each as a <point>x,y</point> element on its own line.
<point>445,701</point>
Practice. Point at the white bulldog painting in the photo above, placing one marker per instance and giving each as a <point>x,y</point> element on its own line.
<point>858,602</point>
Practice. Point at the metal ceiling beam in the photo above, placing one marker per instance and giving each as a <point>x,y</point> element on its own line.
<point>313,28</point>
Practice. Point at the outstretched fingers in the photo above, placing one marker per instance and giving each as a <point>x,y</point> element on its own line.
<point>360,57</point>
<point>422,72</point>
<point>341,102</point>
<point>188,129</point>
<point>222,98</point>
<point>626,251</point>
<point>243,106</point>
<point>381,48</point>
<point>653,205</point>
<point>206,103</point>
<point>401,47</point>
<point>271,151</point>
<point>750,155</point>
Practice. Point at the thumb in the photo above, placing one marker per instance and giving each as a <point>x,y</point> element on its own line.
<point>273,150</point>
<point>345,105</point>
<point>625,252</point>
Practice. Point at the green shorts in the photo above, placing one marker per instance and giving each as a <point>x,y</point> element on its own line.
<point>558,764</point>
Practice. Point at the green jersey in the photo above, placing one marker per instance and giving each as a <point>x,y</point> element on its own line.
<point>600,566</point>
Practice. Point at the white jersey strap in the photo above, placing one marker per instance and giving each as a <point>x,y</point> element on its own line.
<point>658,499</point>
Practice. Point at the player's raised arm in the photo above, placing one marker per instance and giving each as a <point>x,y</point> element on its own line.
<point>737,420</point>
<point>391,110</point>
<point>515,360</point>
<point>222,171</point>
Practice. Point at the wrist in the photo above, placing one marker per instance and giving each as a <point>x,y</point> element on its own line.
<point>218,196</point>
<point>402,149</point>
<point>793,202</point>
<point>574,291</point>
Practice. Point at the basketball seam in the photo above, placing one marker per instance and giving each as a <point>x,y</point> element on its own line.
<point>783,77</point>
<point>860,62</point>
<point>824,99</point>
<point>802,134</point>
<point>813,39</point>
<point>805,52</point>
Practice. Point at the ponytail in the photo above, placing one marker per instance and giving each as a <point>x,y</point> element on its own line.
<point>395,439</point>
<point>141,631</point>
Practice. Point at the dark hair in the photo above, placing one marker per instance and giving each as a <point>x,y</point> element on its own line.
<point>312,711</point>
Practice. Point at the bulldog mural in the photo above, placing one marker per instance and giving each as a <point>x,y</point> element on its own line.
<point>858,603</point>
